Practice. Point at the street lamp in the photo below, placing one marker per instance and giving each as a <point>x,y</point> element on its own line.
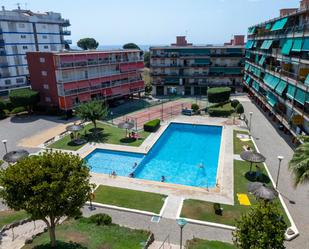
<point>5,147</point>
<point>181,223</point>
<point>280,158</point>
<point>250,120</point>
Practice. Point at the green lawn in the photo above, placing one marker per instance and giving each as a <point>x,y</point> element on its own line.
<point>128,198</point>
<point>76,234</point>
<point>206,244</point>
<point>238,144</point>
<point>9,216</point>
<point>109,134</point>
<point>201,210</point>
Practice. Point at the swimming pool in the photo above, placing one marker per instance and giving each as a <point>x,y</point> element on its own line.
<point>184,154</point>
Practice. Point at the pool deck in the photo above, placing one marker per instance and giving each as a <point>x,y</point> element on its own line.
<point>222,193</point>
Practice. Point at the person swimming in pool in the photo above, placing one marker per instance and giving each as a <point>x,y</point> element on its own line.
<point>162,178</point>
<point>135,165</point>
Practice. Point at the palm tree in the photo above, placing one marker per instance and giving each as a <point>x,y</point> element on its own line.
<point>299,164</point>
<point>92,111</point>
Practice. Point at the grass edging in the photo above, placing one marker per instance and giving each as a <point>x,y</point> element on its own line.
<point>293,225</point>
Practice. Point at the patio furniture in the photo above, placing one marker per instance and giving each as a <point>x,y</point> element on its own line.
<point>126,125</point>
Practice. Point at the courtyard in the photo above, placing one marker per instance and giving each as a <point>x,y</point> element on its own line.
<point>191,198</point>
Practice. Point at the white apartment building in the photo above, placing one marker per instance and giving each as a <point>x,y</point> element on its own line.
<point>23,31</point>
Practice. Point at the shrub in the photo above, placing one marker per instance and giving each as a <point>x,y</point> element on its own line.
<point>239,109</point>
<point>220,111</point>
<point>19,109</point>
<point>24,97</point>
<point>218,94</point>
<point>152,125</point>
<point>101,219</point>
<point>195,107</point>
<point>234,103</point>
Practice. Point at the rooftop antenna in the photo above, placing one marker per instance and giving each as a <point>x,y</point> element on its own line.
<point>18,5</point>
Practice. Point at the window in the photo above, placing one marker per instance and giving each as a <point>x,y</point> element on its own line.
<point>42,59</point>
<point>44,73</point>
<point>23,36</point>
<point>7,82</point>
<point>20,80</point>
<point>45,86</point>
<point>25,47</point>
<point>46,47</point>
<point>44,36</point>
<point>47,99</point>
<point>21,25</point>
<point>44,26</point>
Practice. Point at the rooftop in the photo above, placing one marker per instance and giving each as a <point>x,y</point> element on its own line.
<point>85,52</point>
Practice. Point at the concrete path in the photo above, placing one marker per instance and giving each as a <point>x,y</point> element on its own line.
<point>172,205</point>
<point>271,143</point>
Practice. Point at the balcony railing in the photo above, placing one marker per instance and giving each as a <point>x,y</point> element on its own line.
<point>65,32</point>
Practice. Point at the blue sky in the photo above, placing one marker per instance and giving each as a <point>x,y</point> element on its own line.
<point>114,22</point>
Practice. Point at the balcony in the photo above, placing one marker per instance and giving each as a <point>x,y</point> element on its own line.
<point>66,22</point>
<point>65,32</point>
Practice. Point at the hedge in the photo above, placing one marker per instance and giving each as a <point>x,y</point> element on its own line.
<point>152,125</point>
<point>220,111</point>
<point>218,94</point>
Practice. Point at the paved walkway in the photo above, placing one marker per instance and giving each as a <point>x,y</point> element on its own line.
<point>172,205</point>
<point>271,143</point>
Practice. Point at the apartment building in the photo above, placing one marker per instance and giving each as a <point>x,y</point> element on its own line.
<point>66,79</point>
<point>22,31</point>
<point>277,67</point>
<point>186,69</point>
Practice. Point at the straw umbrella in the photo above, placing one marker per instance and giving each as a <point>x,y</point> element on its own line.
<point>252,157</point>
<point>126,125</point>
<point>15,156</point>
<point>265,193</point>
<point>74,128</point>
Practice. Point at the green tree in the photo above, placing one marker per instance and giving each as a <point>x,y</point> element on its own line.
<point>87,43</point>
<point>299,164</point>
<point>92,111</point>
<point>234,103</point>
<point>130,46</point>
<point>261,227</point>
<point>2,108</point>
<point>239,109</point>
<point>24,97</point>
<point>218,94</point>
<point>147,59</point>
<point>48,186</point>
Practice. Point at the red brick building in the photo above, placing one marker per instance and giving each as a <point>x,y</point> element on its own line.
<point>66,79</point>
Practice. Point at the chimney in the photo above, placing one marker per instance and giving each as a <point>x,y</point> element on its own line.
<point>181,41</point>
<point>304,4</point>
<point>239,40</point>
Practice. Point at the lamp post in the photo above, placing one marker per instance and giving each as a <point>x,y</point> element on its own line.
<point>181,223</point>
<point>280,158</point>
<point>250,121</point>
<point>5,147</point>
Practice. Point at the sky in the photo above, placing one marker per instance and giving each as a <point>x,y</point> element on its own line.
<point>158,22</point>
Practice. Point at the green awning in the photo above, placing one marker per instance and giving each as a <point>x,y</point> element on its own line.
<point>306,45</point>
<point>271,81</point>
<point>266,44</point>
<point>271,99</point>
<point>225,70</point>
<point>279,24</point>
<point>247,66</point>
<point>300,96</point>
<point>268,26</point>
<point>245,76</point>
<point>281,87</point>
<point>248,54</point>
<point>251,30</point>
<point>291,91</point>
<point>255,44</point>
<point>298,42</point>
<point>256,86</point>
<point>249,44</point>
<point>256,59</point>
<point>201,61</point>
<point>248,80</point>
<point>262,60</point>
<point>287,46</point>
<point>172,81</point>
<point>307,80</point>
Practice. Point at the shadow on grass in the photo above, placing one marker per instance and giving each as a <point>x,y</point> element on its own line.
<point>252,177</point>
<point>97,137</point>
<point>127,140</point>
<point>96,130</point>
<point>61,245</point>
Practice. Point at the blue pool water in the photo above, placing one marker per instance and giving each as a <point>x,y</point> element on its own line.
<point>107,161</point>
<point>184,154</point>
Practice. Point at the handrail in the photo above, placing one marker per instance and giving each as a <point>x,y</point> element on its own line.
<point>167,239</point>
